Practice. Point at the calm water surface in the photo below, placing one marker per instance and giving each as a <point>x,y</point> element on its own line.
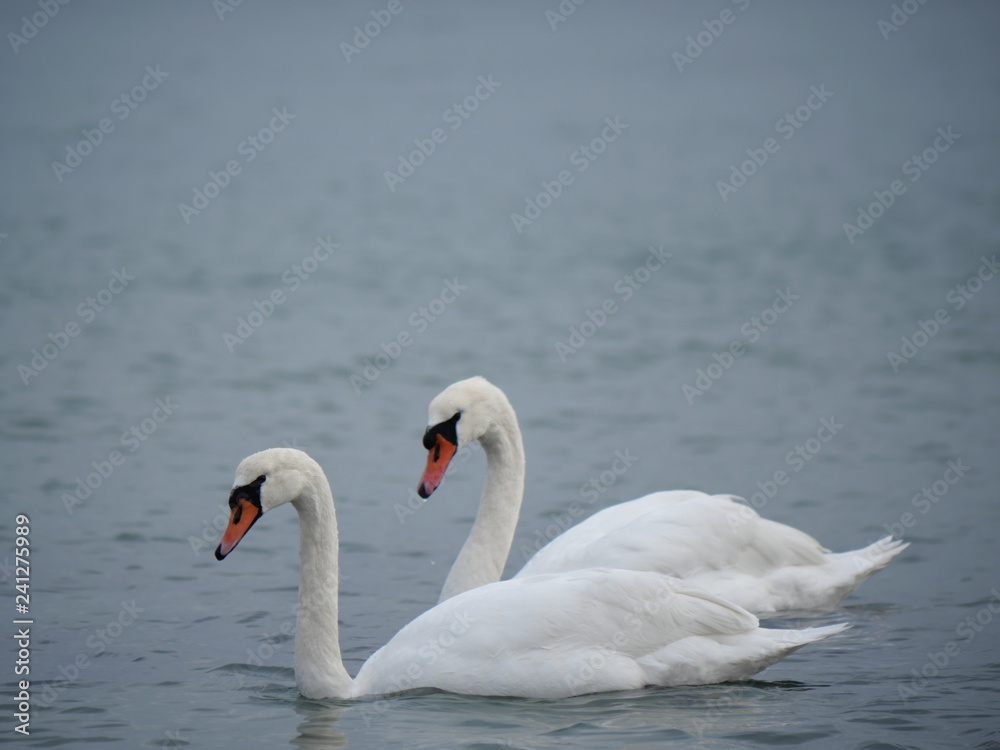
<point>166,382</point>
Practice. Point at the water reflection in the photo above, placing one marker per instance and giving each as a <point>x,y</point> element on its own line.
<point>317,730</point>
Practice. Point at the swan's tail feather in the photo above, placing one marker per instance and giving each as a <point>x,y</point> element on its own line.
<point>874,557</point>
<point>742,656</point>
<point>848,570</point>
<point>783,642</point>
<point>798,638</point>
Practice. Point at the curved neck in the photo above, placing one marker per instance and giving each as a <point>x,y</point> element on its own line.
<point>319,668</point>
<point>484,553</point>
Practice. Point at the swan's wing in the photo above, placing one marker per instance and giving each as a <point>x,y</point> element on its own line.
<point>573,548</point>
<point>553,636</point>
<point>679,534</point>
<point>712,541</point>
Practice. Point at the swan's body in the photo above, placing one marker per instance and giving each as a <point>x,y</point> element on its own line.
<point>547,636</point>
<point>715,543</point>
<point>712,541</point>
<point>586,631</point>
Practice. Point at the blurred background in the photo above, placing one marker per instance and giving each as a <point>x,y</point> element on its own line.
<point>220,221</point>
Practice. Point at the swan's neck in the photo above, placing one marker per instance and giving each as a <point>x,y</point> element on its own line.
<point>319,668</point>
<point>484,553</point>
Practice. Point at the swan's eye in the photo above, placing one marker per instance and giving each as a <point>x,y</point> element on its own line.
<point>249,492</point>
<point>447,429</point>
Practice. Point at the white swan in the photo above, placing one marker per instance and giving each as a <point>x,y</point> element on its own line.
<point>708,540</point>
<point>548,636</point>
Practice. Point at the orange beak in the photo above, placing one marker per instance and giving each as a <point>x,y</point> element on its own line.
<point>244,515</point>
<point>438,459</point>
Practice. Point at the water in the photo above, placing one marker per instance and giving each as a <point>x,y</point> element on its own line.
<point>179,650</point>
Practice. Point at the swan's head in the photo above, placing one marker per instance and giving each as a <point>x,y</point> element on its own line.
<point>462,413</point>
<point>264,481</point>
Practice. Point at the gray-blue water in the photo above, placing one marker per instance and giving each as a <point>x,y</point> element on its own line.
<point>140,339</point>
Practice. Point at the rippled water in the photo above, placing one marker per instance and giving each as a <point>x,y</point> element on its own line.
<point>141,639</point>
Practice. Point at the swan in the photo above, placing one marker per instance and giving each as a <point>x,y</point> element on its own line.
<point>711,541</point>
<point>547,636</point>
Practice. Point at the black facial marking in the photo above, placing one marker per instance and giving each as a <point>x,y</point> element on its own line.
<point>447,429</point>
<point>249,492</point>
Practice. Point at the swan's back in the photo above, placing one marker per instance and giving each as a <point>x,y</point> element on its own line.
<point>552,636</point>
